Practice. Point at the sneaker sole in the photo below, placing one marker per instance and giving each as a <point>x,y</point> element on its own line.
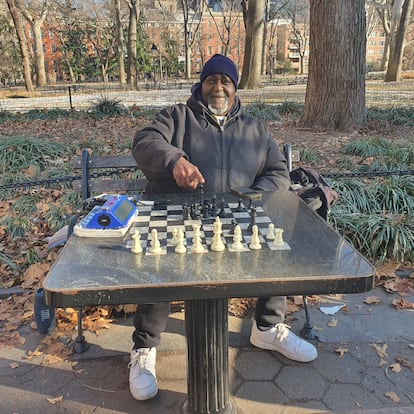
<point>144,397</point>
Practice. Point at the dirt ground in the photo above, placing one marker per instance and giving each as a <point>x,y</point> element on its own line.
<point>114,133</point>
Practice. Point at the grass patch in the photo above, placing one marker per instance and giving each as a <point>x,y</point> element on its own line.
<point>263,112</point>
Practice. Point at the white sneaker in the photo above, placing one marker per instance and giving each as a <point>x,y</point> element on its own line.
<point>142,380</point>
<point>279,338</point>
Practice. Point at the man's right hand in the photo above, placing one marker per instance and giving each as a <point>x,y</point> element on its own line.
<point>187,175</point>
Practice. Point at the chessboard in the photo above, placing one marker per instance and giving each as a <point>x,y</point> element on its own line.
<point>168,219</point>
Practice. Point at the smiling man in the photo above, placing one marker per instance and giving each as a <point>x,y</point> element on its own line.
<point>209,140</point>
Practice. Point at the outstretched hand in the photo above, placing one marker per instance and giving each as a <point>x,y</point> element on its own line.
<point>187,175</point>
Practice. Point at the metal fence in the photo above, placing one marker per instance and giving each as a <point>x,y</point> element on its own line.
<point>84,96</point>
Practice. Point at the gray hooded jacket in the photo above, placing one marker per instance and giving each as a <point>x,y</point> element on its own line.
<point>238,153</point>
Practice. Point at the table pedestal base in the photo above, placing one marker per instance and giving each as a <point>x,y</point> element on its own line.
<point>206,323</point>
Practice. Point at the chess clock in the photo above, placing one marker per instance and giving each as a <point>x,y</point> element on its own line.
<point>111,219</point>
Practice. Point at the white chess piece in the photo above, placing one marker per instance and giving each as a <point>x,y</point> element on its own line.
<point>217,244</point>
<point>255,241</point>
<point>197,247</point>
<point>174,239</point>
<point>180,248</point>
<point>270,232</point>
<point>237,237</point>
<point>278,241</point>
<point>155,243</point>
<point>136,242</point>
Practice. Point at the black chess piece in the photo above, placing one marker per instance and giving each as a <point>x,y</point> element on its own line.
<point>232,227</point>
<point>252,219</point>
<point>240,206</point>
<point>222,212</point>
<point>213,210</point>
<point>186,211</point>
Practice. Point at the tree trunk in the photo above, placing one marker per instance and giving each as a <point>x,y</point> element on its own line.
<point>120,43</point>
<point>39,55</point>
<point>396,51</point>
<point>132,75</point>
<point>335,94</point>
<point>36,21</point>
<point>254,23</point>
<point>18,25</point>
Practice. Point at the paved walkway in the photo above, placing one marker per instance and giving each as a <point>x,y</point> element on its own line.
<point>261,381</point>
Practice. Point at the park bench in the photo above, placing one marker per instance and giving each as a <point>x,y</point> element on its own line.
<point>109,174</point>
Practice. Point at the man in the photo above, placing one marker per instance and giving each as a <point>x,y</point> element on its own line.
<point>211,141</point>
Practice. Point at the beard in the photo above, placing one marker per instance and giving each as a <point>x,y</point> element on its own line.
<point>218,111</point>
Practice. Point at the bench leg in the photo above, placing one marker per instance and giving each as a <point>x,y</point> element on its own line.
<point>307,330</point>
<point>80,344</point>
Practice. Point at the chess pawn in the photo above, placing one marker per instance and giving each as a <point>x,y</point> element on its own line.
<point>278,241</point>
<point>180,248</point>
<point>270,232</point>
<point>155,243</point>
<point>136,242</point>
<point>255,241</point>
<point>237,237</point>
<point>174,239</point>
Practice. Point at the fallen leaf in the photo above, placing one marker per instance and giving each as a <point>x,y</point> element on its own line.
<point>55,400</point>
<point>333,322</point>
<point>402,304</point>
<point>395,367</point>
<point>392,396</point>
<point>381,349</point>
<point>405,363</point>
<point>14,365</point>
<point>372,300</point>
<point>382,362</point>
<point>341,351</point>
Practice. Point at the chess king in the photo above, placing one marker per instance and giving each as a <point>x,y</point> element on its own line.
<point>210,140</point>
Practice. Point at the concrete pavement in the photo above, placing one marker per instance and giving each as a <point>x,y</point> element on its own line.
<point>349,376</point>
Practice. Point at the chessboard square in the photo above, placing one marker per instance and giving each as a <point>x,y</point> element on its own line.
<point>159,213</point>
<point>162,234</point>
<point>175,217</point>
<point>241,214</point>
<point>149,253</point>
<point>160,230</point>
<point>233,250</point>
<point>244,226</point>
<point>263,219</point>
<point>142,219</point>
<point>141,227</point>
<point>273,247</point>
<point>158,223</point>
<point>208,227</point>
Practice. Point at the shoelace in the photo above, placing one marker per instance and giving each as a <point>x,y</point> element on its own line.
<point>139,359</point>
<point>283,331</point>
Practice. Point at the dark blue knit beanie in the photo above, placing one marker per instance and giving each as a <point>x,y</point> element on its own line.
<point>222,65</point>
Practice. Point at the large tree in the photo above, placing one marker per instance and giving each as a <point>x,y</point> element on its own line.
<point>335,94</point>
<point>253,14</point>
<point>397,47</point>
<point>35,15</point>
<point>132,75</point>
<point>18,25</point>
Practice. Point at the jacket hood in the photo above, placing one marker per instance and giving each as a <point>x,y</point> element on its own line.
<point>195,102</point>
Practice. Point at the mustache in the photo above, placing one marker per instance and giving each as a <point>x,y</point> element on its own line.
<point>218,95</point>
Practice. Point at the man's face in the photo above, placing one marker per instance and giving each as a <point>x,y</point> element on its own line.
<point>218,92</point>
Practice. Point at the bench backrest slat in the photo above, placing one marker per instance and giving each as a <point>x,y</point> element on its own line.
<point>90,164</point>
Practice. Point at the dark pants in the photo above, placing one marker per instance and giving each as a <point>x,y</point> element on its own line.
<point>151,320</point>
